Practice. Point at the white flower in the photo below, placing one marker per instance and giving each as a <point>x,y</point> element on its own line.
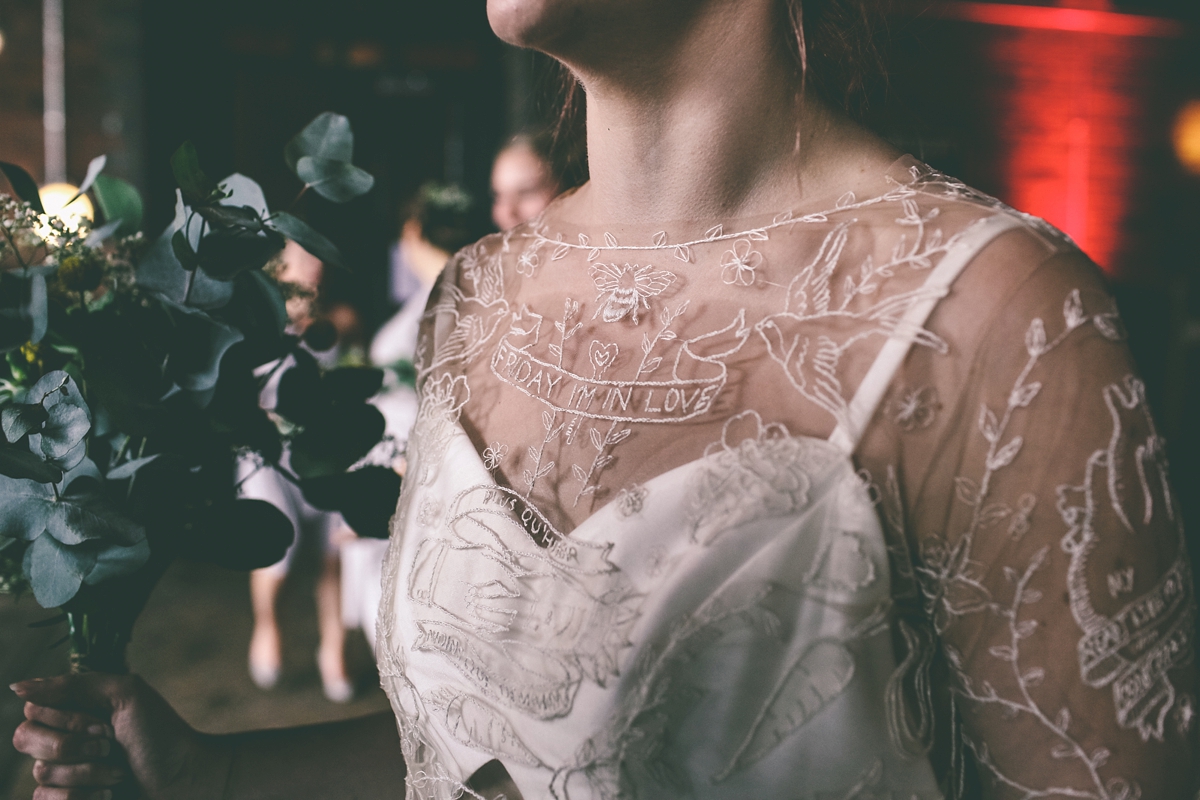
<point>739,264</point>
<point>494,454</point>
<point>527,262</point>
<point>630,500</point>
<point>917,408</point>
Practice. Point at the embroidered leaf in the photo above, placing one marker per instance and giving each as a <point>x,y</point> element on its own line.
<point>967,490</point>
<point>549,466</point>
<point>1023,396</point>
<point>584,240</point>
<point>993,513</point>
<point>1073,310</point>
<point>1034,677</point>
<point>1038,559</point>
<point>555,350</point>
<point>547,420</point>
<point>1035,338</point>
<point>814,680</point>
<point>652,364</point>
<point>533,453</point>
<point>1026,628</point>
<point>1003,652</point>
<point>1011,575</point>
<point>989,426</point>
<point>660,239</point>
<point>610,240</point>
<point>616,437</point>
<point>845,200</point>
<point>597,442</point>
<point>560,252</point>
<point>588,490</point>
<point>1063,720</point>
<point>603,461</point>
<point>646,343</point>
<point>1062,751</point>
<point>528,476</point>
<point>784,216</point>
<point>1006,454</point>
<point>1109,326</point>
<point>593,254</point>
<point>1099,757</point>
<point>1031,596</point>
<point>683,253</point>
<point>714,232</point>
<point>579,474</point>
<point>758,235</point>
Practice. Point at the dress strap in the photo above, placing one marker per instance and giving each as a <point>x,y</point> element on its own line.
<point>870,392</point>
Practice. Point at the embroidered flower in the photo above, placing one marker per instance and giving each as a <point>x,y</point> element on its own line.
<point>629,501</point>
<point>917,408</point>
<point>624,290</point>
<point>739,264</point>
<point>493,455</point>
<point>428,513</point>
<point>527,262</point>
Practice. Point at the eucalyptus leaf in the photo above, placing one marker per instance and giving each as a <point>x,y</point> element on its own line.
<point>351,384</point>
<point>18,462</point>
<point>116,561</point>
<point>229,216</point>
<point>20,419</point>
<point>275,305</point>
<point>197,188</point>
<point>244,191</point>
<point>332,444</point>
<point>240,534</point>
<point>159,271</point>
<point>126,470</point>
<point>23,185</point>
<point>327,136</point>
<point>100,235</point>
<point>339,181</point>
<point>95,167</point>
<point>68,417</point>
<point>307,237</point>
<point>54,571</point>
<point>76,519</point>
<point>196,348</point>
<point>119,200</point>
<point>224,253</point>
<point>24,508</point>
<point>183,251</point>
<point>366,498</point>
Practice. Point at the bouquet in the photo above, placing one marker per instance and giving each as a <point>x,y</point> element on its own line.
<point>130,384</point>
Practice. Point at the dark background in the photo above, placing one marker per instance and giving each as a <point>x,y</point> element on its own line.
<point>1063,112</point>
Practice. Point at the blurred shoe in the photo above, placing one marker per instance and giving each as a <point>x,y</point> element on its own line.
<point>265,676</point>
<point>338,690</point>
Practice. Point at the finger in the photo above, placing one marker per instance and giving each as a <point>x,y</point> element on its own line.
<point>70,721</point>
<point>50,744</point>
<point>92,774</point>
<point>48,793</point>
<point>94,692</point>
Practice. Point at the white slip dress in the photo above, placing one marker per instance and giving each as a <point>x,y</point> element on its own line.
<point>721,630</point>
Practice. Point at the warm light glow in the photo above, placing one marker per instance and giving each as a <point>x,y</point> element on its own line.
<point>1077,20</point>
<point>54,198</point>
<point>1,41</point>
<point>1187,136</point>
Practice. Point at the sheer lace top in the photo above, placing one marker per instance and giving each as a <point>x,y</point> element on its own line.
<point>1035,634</point>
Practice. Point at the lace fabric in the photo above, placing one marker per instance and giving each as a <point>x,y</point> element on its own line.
<point>653,468</point>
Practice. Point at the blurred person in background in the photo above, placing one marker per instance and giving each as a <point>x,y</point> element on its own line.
<point>523,180</point>
<point>438,221</point>
<point>300,273</point>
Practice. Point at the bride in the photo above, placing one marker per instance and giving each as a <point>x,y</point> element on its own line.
<point>770,463</point>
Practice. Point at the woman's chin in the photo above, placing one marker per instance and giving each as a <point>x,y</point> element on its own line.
<point>537,24</point>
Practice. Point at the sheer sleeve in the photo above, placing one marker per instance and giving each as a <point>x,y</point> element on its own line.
<point>1049,550</point>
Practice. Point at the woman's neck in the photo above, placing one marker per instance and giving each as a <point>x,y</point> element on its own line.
<point>712,125</point>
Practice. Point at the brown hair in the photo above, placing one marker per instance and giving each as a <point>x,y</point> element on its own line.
<point>836,45</point>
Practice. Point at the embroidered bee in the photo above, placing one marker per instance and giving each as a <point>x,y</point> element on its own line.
<point>624,290</point>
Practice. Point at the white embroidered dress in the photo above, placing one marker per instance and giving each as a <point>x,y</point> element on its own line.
<point>790,511</point>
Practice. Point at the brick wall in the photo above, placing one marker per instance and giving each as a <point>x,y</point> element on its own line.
<point>104,87</point>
